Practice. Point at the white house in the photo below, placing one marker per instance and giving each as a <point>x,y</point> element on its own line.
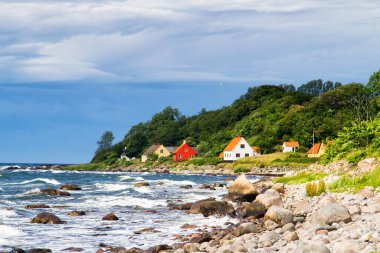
<point>238,148</point>
<point>290,146</point>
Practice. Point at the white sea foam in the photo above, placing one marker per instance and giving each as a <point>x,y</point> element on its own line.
<point>175,182</point>
<point>31,192</point>
<point>129,178</point>
<point>143,189</point>
<point>1,189</point>
<point>7,213</point>
<point>112,187</point>
<point>107,201</point>
<point>8,231</point>
<point>45,180</point>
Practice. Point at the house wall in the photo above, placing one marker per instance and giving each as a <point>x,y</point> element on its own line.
<point>288,149</point>
<point>162,152</point>
<point>144,158</point>
<point>184,153</point>
<point>233,155</point>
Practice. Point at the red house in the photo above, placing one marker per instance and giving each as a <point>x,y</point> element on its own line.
<point>183,152</point>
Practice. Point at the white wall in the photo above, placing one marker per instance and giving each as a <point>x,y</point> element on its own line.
<point>232,155</point>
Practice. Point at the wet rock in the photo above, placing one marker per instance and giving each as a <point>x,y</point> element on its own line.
<point>218,208</point>
<point>110,217</point>
<point>73,249</point>
<point>329,214</point>
<point>70,187</point>
<point>39,251</point>
<point>188,226</point>
<point>118,250</point>
<point>312,248</point>
<point>279,215</point>
<point>195,207</point>
<point>46,218</point>
<point>242,190</point>
<point>17,250</point>
<point>54,192</point>
<point>279,187</point>
<point>269,198</point>
<point>76,213</point>
<point>145,230</point>
<point>254,209</point>
<point>157,249</point>
<point>36,206</point>
<point>189,186</point>
<point>141,184</point>
<point>185,206</point>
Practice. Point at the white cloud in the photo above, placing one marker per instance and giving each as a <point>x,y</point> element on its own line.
<point>143,40</point>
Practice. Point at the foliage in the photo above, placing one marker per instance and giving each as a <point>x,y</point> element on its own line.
<point>152,157</point>
<point>242,170</point>
<point>104,144</point>
<point>356,183</point>
<point>265,115</point>
<point>299,178</point>
<point>356,142</point>
<point>374,83</point>
<point>199,161</point>
<point>321,187</point>
<point>311,189</point>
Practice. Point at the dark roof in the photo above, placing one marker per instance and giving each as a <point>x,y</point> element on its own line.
<point>171,149</point>
<point>152,149</point>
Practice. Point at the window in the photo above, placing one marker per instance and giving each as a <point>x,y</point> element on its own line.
<point>161,151</point>
<point>237,155</point>
<point>186,150</point>
<point>179,156</point>
<point>246,155</point>
<point>242,145</point>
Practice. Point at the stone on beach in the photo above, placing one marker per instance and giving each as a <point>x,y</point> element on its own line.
<point>329,214</point>
<point>269,198</point>
<point>279,215</point>
<point>279,187</point>
<point>46,218</point>
<point>312,248</point>
<point>195,207</point>
<point>254,209</point>
<point>141,184</point>
<point>36,206</point>
<point>242,190</point>
<point>218,208</point>
<point>76,213</point>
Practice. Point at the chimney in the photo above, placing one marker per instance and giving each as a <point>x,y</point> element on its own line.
<point>184,141</point>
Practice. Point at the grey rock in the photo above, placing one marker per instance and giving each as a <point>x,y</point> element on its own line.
<point>279,215</point>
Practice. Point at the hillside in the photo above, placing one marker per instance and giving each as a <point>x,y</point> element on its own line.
<point>265,115</point>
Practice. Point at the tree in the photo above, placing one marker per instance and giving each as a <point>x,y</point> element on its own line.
<point>374,83</point>
<point>105,141</point>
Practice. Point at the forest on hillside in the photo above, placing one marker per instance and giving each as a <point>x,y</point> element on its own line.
<point>265,115</point>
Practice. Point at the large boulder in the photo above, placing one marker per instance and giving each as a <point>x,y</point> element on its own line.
<point>301,207</point>
<point>329,214</point>
<point>195,207</point>
<point>312,248</point>
<point>279,215</point>
<point>279,187</point>
<point>174,206</point>
<point>70,187</point>
<point>254,209</point>
<point>242,190</point>
<point>269,198</point>
<point>218,208</point>
<point>46,218</point>
<point>54,192</point>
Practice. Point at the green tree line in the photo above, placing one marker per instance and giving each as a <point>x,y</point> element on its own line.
<point>265,115</point>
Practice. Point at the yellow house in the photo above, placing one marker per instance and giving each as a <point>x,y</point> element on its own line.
<point>317,150</point>
<point>157,149</point>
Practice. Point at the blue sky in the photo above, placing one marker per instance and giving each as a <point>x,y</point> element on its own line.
<point>70,70</point>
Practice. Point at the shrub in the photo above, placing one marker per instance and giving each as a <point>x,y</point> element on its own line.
<point>311,189</point>
<point>321,187</point>
<point>242,170</point>
<point>356,156</point>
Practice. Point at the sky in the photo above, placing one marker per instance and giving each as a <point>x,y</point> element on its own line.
<point>70,70</point>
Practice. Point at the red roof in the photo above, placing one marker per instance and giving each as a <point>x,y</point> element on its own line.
<point>314,149</point>
<point>291,144</point>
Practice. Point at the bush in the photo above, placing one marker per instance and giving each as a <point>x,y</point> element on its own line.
<point>242,170</point>
<point>356,156</point>
<point>311,189</point>
<point>321,187</point>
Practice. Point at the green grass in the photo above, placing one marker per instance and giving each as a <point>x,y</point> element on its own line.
<point>349,183</point>
<point>299,178</point>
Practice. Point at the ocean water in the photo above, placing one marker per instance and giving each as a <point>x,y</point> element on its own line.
<point>102,193</point>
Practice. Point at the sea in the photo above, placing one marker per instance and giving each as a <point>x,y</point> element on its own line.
<point>102,193</point>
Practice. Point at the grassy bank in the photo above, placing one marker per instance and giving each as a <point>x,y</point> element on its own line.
<point>349,183</point>
<point>300,178</point>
